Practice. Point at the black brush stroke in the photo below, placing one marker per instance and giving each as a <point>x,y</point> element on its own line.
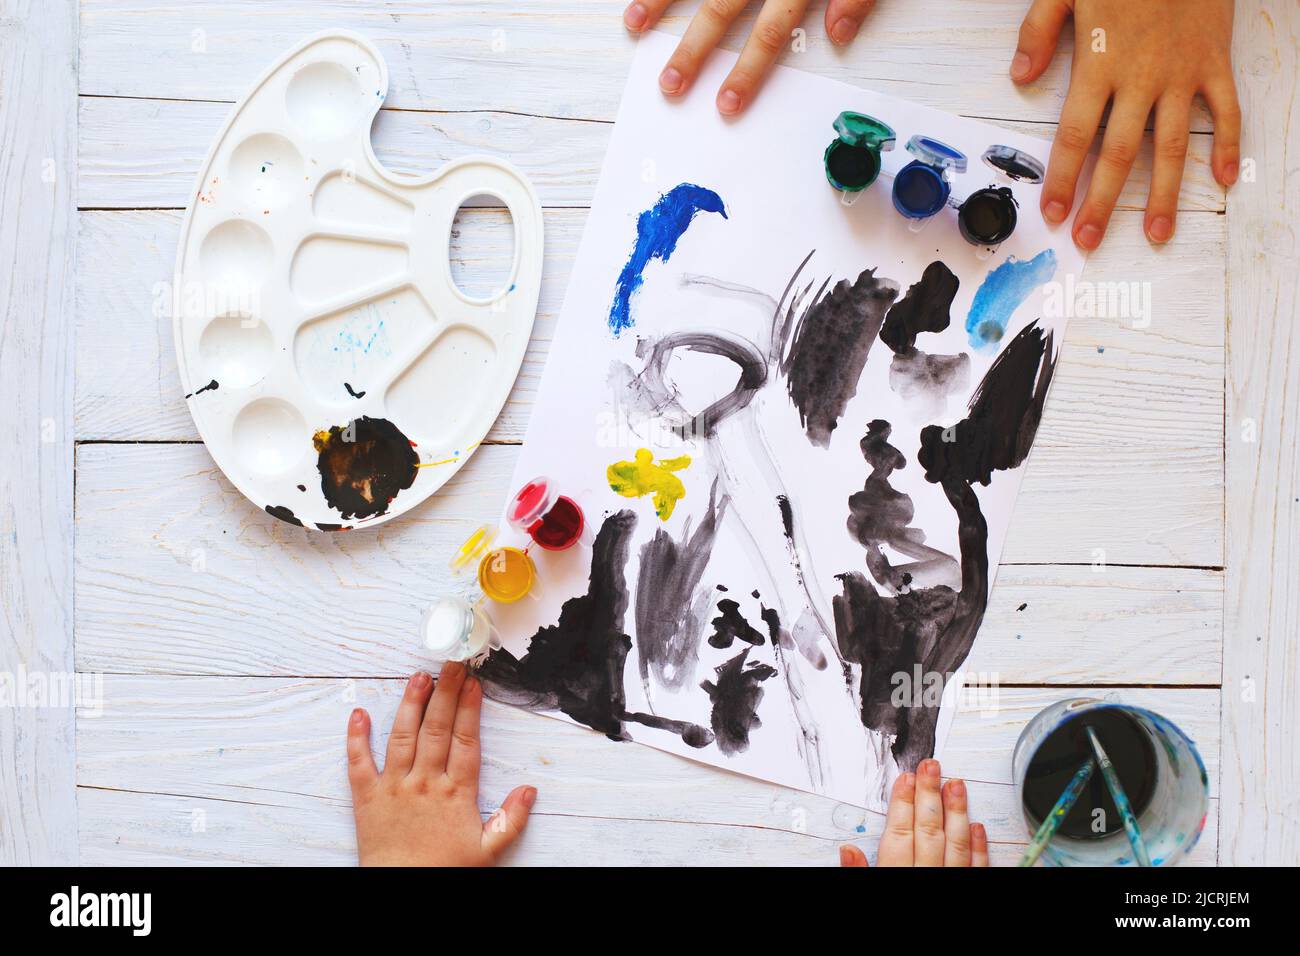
<point>576,665</point>
<point>736,695</point>
<point>669,611</point>
<point>934,628</point>
<point>829,350</point>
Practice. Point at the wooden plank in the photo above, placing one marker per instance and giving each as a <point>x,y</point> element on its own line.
<point>147,829</point>
<point>260,760</point>
<point>1157,386</point>
<point>1261,673</point>
<point>566,58</point>
<point>1129,405</point>
<point>38,125</point>
<point>145,154</point>
<point>178,573</point>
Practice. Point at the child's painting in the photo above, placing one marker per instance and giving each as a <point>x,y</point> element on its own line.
<point>797,428</point>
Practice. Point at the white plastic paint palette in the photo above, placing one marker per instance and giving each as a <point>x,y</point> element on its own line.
<point>314,288</point>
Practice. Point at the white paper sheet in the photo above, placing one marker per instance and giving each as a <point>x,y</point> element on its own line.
<point>724,278</point>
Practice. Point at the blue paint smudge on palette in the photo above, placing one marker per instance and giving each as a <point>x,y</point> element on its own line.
<point>657,232</point>
<point>1002,292</point>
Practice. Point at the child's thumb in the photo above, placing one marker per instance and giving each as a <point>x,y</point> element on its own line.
<point>505,826</point>
<point>1038,36</point>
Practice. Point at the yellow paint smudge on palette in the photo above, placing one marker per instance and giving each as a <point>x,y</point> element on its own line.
<point>644,476</point>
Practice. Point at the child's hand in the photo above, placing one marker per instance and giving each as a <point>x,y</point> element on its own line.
<point>926,825</point>
<point>423,809</point>
<point>771,34</point>
<point>1158,54</point>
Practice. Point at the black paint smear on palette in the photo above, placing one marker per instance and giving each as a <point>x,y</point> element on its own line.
<point>363,465</point>
<point>576,665</point>
<point>353,392</point>
<point>284,514</point>
<point>212,386</point>
<point>669,611</point>
<point>829,350</point>
<point>736,694</point>
<point>934,628</point>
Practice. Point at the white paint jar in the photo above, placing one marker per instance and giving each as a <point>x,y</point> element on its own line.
<point>453,629</point>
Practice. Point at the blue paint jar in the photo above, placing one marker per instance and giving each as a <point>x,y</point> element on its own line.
<point>922,187</point>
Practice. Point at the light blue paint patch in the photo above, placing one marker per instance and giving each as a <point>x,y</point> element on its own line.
<point>1001,293</point>
<point>657,232</point>
<point>364,334</point>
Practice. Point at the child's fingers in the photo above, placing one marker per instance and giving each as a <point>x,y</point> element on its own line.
<point>1173,115</point>
<point>1119,147</point>
<point>435,731</point>
<point>362,772</point>
<point>504,827</point>
<point>1221,96</point>
<point>956,825</point>
<point>979,845</point>
<point>843,21</point>
<point>706,29</point>
<point>1038,35</point>
<point>1074,135</point>
<point>406,724</point>
<point>771,33</point>
<point>852,856</point>
<point>896,843</point>
<point>643,14</point>
<point>464,757</point>
<point>928,836</point>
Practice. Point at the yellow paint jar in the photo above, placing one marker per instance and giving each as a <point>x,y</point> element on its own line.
<point>505,574</point>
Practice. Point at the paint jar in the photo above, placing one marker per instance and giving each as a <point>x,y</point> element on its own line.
<point>922,187</point>
<point>988,216</point>
<point>454,629</point>
<point>505,573</point>
<point>1158,766</point>
<point>551,519</point>
<point>853,160</point>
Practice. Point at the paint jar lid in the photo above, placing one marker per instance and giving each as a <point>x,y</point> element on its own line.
<point>531,504</point>
<point>448,628</point>
<point>932,152</point>
<point>1014,164</point>
<point>858,129</point>
<point>475,546</point>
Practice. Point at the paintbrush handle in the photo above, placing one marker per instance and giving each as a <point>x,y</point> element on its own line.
<point>1064,803</point>
<point>1122,803</point>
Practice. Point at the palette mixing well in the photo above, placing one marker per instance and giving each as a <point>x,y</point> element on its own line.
<point>336,372</point>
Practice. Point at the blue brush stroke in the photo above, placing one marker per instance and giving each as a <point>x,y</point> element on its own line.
<point>657,232</point>
<point>1002,292</point>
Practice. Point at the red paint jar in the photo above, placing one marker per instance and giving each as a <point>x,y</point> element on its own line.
<point>553,520</point>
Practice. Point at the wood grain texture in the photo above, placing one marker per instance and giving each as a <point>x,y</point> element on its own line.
<point>38,126</point>
<point>178,574</point>
<point>1117,385</point>
<point>145,154</point>
<point>1261,674</point>
<point>253,772</point>
<point>1128,457</point>
<point>565,58</point>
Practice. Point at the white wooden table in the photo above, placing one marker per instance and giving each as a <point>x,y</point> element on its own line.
<point>1155,549</point>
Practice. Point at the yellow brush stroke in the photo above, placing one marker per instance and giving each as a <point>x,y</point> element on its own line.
<point>645,476</point>
<point>448,461</point>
